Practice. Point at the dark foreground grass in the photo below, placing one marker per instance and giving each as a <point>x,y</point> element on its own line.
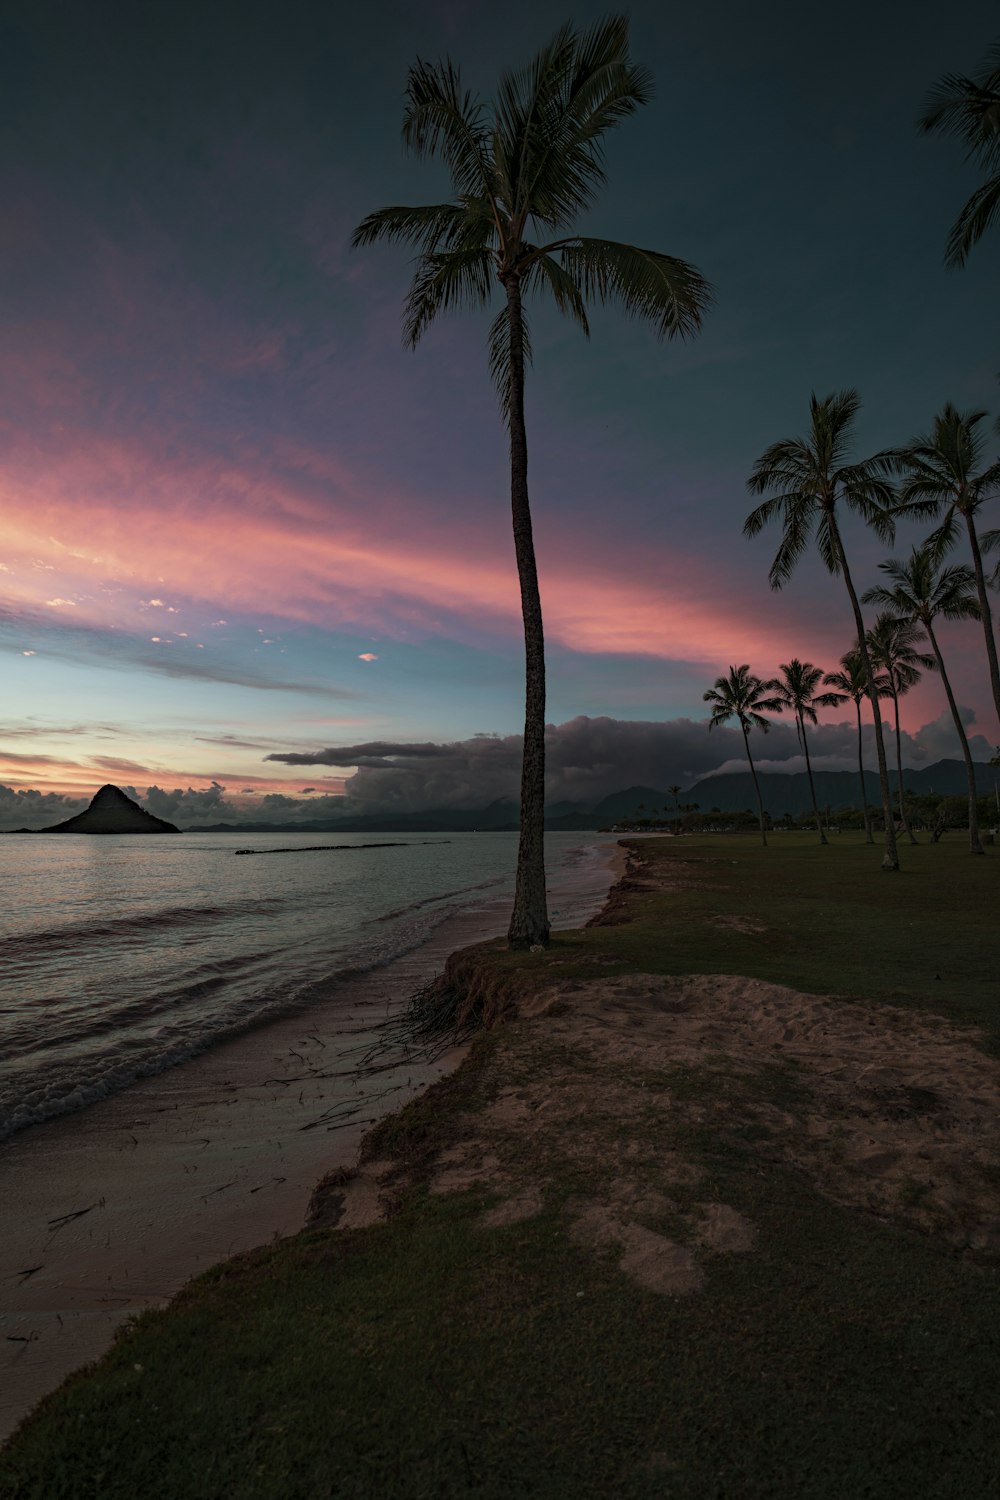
<point>431,1356</point>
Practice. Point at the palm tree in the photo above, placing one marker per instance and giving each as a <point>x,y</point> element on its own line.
<point>812,475</point>
<point>970,109</point>
<point>921,591</point>
<point>944,471</point>
<point>741,696</point>
<point>675,792</point>
<point>852,681</point>
<point>892,645</point>
<point>522,170</point>
<point>796,691</point>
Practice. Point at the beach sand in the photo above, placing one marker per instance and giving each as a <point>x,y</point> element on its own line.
<point>113,1209</point>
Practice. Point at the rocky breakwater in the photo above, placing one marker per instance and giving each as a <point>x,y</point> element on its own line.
<point>111,811</point>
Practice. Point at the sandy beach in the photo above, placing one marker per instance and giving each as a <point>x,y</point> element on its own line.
<point>113,1209</point>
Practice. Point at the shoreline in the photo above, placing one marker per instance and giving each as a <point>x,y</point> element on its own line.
<point>121,1203</point>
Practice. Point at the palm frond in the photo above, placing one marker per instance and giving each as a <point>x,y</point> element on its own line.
<point>433,227</point>
<point>968,108</point>
<point>545,269</point>
<point>450,279</point>
<point>943,537</point>
<point>561,160</point>
<point>980,213</point>
<point>440,119</point>
<point>500,363</point>
<point>669,292</point>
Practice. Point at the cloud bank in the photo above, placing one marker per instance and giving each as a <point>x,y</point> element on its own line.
<point>588,758</point>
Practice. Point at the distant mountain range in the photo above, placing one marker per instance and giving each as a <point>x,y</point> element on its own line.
<point>729,793</point>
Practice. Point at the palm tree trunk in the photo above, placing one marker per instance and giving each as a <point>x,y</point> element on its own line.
<point>756,785</point>
<point>869,836</point>
<point>809,773</point>
<point>985,611</point>
<point>529,922</point>
<point>974,844</point>
<point>899,766</point>
<point>890,859</point>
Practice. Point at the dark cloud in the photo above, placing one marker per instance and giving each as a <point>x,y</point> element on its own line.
<point>33,809</point>
<point>374,753</point>
<point>587,758</point>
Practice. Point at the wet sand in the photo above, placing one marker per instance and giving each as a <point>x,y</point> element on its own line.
<point>111,1210</point>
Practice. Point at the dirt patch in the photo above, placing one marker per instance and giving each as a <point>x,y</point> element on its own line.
<point>527,1204</point>
<point>646,1257</point>
<point>602,1089</point>
<point>897,1111</point>
<point>737,924</point>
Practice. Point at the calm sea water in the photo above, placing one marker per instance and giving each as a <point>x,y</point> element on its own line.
<point>121,956</point>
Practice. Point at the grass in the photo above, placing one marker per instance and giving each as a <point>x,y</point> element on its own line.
<point>430,1356</point>
<point>833,922</point>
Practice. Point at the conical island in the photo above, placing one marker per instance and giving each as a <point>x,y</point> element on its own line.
<point>112,812</point>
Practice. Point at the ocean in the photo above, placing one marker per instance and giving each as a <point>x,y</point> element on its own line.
<point>123,956</point>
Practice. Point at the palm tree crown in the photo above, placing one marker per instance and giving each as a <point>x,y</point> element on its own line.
<point>892,644</point>
<point>922,589</point>
<point>852,680</point>
<point>969,108</point>
<point>812,474</point>
<point>741,696</point>
<point>945,470</point>
<point>522,170</point>
<point>796,689</point>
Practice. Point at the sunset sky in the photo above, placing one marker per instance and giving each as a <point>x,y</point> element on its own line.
<point>240,519</point>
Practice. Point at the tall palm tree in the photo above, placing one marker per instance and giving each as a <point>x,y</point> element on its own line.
<point>970,109</point>
<point>921,591</point>
<point>852,681</point>
<point>522,170</point>
<point>892,646</point>
<point>811,475</point>
<point>796,691</point>
<point>944,471</point>
<point>742,696</point>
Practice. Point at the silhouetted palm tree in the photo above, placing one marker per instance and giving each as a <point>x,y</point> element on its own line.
<point>970,109</point>
<point>812,475</point>
<point>852,681</point>
<point>922,590</point>
<point>796,691</point>
<point>522,171</point>
<point>892,647</point>
<point>675,792</point>
<point>944,470</point>
<point>741,695</point>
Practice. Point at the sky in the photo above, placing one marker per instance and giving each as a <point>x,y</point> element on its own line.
<point>240,520</point>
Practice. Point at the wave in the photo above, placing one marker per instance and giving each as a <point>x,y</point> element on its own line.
<point>70,935</point>
<point>111,1074</point>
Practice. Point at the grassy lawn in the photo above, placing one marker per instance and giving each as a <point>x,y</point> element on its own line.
<point>436,1355</point>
